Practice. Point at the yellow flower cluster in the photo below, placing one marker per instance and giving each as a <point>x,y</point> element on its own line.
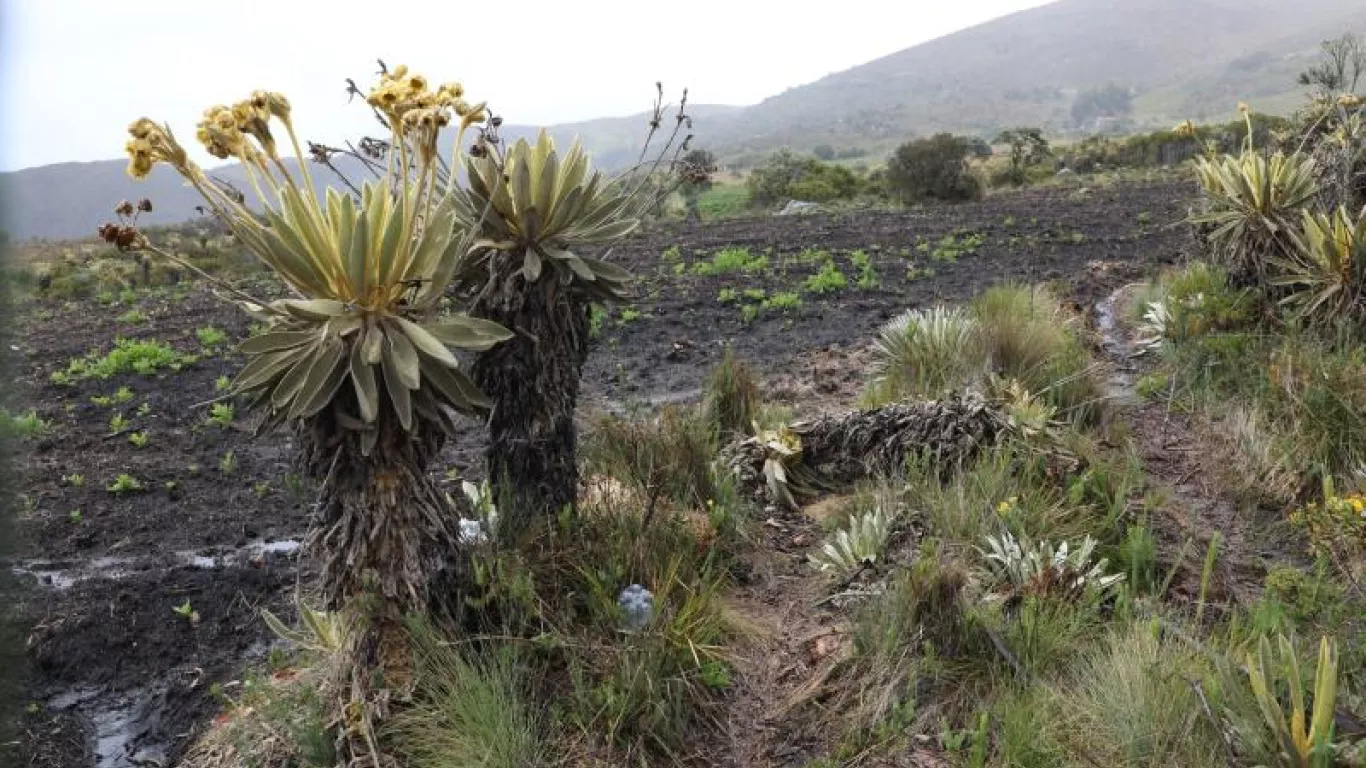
<point>151,144</point>
<point>223,129</point>
<point>1007,505</point>
<point>1184,129</point>
<point>1338,521</point>
<point>408,100</point>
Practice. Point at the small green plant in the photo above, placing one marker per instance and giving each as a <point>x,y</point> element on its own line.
<point>628,315</point>
<point>144,409</point>
<point>186,612</point>
<point>597,315</point>
<point>728,295</point>
<point>227,463</point>
<point>144,358</point>
<point>867,274</point>
<point>671,255</point>
<point>857,545</point>
<point>210,336</point>
<point>729,261</point>
<point>222,384</point>
<point>829,279</point>
<point>1151,385</point>
<point>749,313</point>
<point>117,423</point>
<point>1302,741</point>
<point>1144,217</point>
<point>782,301</point>
<point>138,439</point>
<point>133,317</point>
<point>221,414</point>
<point>74,480</point>
<point>22,426</point>
<point>755,294</point>
<point>261,489</point>
<point>124,483</point>
<point>76,516</point>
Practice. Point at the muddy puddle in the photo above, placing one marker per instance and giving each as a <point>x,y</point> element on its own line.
<point>1121,384</point>
<point>65,574</point>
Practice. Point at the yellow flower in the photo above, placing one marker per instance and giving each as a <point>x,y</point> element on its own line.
<point>417,83</point>
<point>1358,505</point>
<point>1349,100</point>
<point>1003,507</point>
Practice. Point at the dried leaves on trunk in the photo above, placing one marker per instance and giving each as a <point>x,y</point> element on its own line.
<point>836,451</point>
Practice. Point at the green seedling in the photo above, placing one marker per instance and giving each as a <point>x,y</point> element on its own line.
<point>138,439</point>
<point>221,414</point>
<point>124,483</point>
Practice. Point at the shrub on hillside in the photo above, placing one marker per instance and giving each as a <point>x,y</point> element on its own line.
<point>932,169</point>
<point>1028,148</point>
<point>789,176</point>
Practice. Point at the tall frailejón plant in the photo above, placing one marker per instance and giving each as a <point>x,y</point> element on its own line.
<point>530,272</point>
<point>1253,207</point>
<point>358,357</point>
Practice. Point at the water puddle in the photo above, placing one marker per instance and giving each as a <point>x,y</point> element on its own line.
<point>1121,384</point>
<point>64,574</point>
<point>119,725</point>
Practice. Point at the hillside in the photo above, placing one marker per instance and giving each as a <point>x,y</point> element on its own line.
<point>1181,58</point>
<point>1177,58</point>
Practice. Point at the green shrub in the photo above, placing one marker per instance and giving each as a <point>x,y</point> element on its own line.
<point>788,176</point>
<point>1027,149</point>
<point>934,168</point>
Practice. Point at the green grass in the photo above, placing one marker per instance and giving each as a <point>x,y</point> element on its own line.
<point>469,709</point>
<point>723,200</point>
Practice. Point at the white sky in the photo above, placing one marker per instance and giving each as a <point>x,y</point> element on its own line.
<point>76,72</point>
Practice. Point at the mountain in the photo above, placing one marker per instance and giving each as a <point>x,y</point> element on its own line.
<point>1180,58</point>
<point>1167,59</point>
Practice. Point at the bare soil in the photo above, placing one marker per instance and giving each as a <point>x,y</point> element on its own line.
<point>119,677</point>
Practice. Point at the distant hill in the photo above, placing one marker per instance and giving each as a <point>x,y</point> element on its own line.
<point>1179,58</point>
<point>69,200</point>
<point>1170,59</point>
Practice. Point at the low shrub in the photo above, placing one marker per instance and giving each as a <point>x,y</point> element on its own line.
<point>934,168</point>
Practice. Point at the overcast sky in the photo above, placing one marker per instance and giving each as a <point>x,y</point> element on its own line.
<point>76,72</point>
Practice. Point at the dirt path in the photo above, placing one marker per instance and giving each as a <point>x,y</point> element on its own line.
<point>1185,468</point>
<point>798,643</point>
